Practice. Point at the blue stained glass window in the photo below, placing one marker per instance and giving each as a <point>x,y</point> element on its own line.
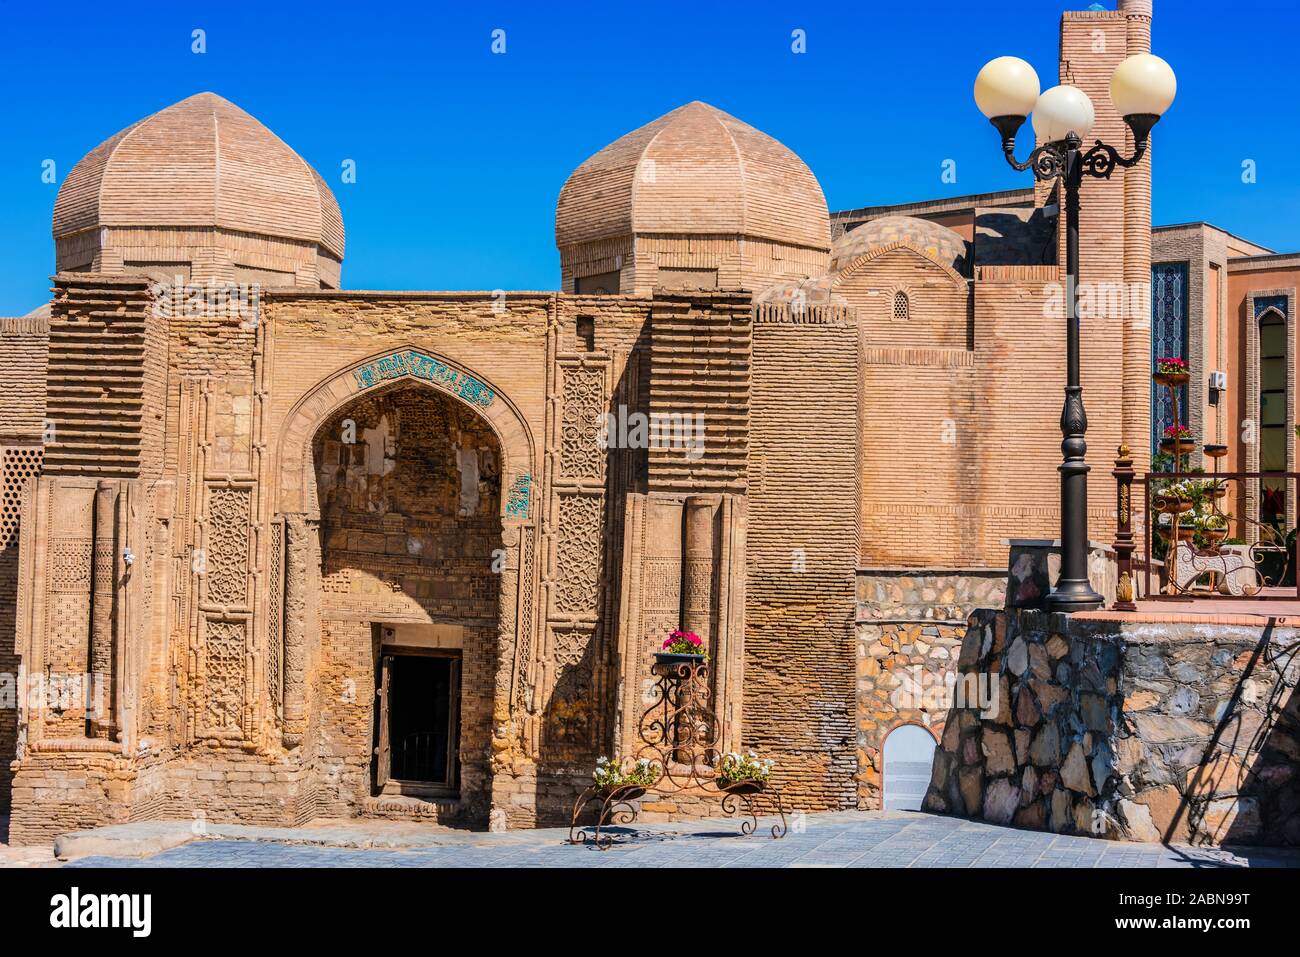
<point>1168,340</point>
<point>1264,303</point>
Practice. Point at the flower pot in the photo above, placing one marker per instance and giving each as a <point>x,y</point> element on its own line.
<point>742,787</point>
<point>669,660</point>
<point>1178,446</point>
<point>1186,534</point>
<point>1172,504</point>
<point>1214,535</point>
<point>1172,378</point>
<point>621,792</point>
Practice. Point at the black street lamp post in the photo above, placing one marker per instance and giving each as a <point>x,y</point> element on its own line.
<point>1063,116</point>
<point>1063,160</point>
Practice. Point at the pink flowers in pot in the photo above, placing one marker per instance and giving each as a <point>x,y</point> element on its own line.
<point>1170,365</point>
<point>683,643</point>
<point>1177,432</point>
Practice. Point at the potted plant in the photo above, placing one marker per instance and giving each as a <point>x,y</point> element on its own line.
<point>629,782</point>
<point>1170,370</point>
<point>1168,502</point>
<point>1178,440</point>
<point>682,648</point>
<point>1213,526</point>
<point>1200,491</point>
<point>743,773</point>
<point>1174,497</point>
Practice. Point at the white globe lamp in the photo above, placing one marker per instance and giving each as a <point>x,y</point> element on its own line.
<point>1143,85</point>
<point>1063,110</point>
<point>1007,86</point>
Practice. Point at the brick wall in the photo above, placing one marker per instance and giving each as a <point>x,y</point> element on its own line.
<point>9,662</point>
<point>24,351</point>
<point>24,345</point>
<point>802,536</point>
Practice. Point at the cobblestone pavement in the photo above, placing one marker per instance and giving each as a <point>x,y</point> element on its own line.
<point>843,839</point>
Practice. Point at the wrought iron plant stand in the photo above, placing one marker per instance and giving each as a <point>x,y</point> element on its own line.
<point>1227,569</point>
<point>680,734</point>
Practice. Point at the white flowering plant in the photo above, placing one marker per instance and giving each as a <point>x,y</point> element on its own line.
<point>1211,521</point>
<point>735,768</point>
<point>613,774</point>
<point>1203,516</point>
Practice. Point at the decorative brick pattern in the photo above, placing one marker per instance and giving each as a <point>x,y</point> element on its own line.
<point>269,216</point>
<point>802,536</point>
<point>351,462</point>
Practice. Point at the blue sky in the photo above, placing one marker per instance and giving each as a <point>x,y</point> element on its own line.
<point>460,153</point>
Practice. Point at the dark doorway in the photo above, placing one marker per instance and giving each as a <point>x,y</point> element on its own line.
<point>418,722</point>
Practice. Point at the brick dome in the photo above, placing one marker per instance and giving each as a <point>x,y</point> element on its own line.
<point>935,241</point>
<point>201,164</point>
<point>818,291</point>
<point>699,171</point>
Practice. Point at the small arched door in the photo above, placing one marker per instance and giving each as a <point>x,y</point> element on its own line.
<point>909,756</point>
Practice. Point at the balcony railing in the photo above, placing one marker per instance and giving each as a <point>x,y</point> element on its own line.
<point>1220,535</point>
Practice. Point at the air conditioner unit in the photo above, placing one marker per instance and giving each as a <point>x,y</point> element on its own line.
<point>1219,381</point>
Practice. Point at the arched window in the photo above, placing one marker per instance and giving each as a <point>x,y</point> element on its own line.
<point>902,308</point>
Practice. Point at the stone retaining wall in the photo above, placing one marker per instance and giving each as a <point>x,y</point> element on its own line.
<point>1132,730</point>
<point>910,624</point>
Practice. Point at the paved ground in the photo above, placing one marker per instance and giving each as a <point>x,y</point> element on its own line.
<point>845,839</point>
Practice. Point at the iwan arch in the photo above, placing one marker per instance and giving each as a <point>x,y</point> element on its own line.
<point>340,552</point>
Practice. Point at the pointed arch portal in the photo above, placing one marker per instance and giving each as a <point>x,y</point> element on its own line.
<point>297,487</point>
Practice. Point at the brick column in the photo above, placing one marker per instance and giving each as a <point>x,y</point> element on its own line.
<point>301,620</point>
<point>698,568</point>
<point>102,601</point>
<point>1136,424</point>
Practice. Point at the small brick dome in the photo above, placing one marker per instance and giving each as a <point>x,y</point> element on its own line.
<point>932,239</point>
<point>694,171</point>
<point>818,291</point>
<point>201,163</point>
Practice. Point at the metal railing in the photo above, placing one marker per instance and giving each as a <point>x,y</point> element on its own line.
<point>1206,527</point>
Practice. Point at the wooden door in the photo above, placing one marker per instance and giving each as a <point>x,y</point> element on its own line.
<point>383,750</point>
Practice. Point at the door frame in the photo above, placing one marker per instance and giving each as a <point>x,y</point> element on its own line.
<point>385,783</point>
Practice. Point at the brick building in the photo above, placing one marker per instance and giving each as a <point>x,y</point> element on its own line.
<point>1226,305</point>
<point>334,552</point>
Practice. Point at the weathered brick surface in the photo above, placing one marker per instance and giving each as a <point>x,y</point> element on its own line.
<point>802,536</point>
<point>240,207</point>
<point>24,347</point>
<point>907,418</point>
<point>694,199</point>
<point>24,351</point>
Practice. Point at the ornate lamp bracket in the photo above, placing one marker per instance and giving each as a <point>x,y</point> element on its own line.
<point>1049,161</point>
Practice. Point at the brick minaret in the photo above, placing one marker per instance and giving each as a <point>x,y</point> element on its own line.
<point>1115,237</point>
<point>1137,261</point>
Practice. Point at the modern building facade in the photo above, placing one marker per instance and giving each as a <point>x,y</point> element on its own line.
<point>1226,306</point>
